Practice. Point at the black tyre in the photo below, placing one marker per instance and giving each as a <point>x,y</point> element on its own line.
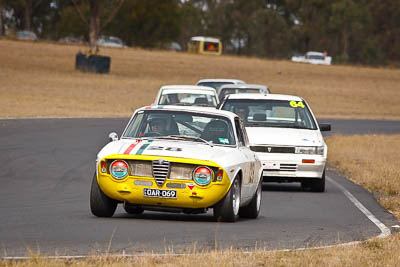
<point>318,185</point>
<point>227,210</point>
<point>253,208</point>
<point>132,209</point>
<point>100,204</point>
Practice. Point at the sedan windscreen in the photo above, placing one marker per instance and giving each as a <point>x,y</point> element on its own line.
<point>182,126</point>
<point>272,113</point>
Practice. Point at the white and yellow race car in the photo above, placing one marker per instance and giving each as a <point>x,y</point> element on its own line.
<point>179,159</point>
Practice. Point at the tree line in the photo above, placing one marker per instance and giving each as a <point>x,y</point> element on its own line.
<point>351,31</point>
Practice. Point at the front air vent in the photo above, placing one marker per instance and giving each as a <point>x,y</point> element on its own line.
<point>273,149</point>
<point>160,170</point>
<point>288,167</point>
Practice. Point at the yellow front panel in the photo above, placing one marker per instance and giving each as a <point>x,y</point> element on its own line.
<point>197,197</point>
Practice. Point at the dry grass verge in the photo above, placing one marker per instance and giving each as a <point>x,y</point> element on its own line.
<point>39,80</point>
<point>371,253</point>
<point>371,161</point>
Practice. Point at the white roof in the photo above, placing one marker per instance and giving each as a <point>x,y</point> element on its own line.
<point>186,89</point>
<point>205,39</point>
<point>195,109</point>
<point>265,97</point>
<point>244,86</point>
<point>234,81</point>
<point>315,53</point>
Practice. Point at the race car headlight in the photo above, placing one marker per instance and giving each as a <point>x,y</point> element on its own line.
<point>119,169</point>
<point>310,150</point>
<point>202,175</point>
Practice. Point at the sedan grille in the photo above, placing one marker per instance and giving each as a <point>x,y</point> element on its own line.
<point>273,149</point>
<point>160,170</point>
<point>288,167</point>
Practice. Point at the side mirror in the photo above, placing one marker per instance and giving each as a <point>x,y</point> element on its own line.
<point>113,137</point>
<point>324,127</point>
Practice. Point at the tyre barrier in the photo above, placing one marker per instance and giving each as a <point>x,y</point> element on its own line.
<point>92,63</point>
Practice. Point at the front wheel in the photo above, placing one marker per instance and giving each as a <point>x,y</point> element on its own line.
<point>100,204</point>
<point>253,208</point>
<point>318,185</point>
<point>227,210</point>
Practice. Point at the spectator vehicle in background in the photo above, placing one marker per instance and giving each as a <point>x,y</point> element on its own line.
<point>110,41</point>
<point>179,159</point>
<point>26,35</point>
<point>285,135</point>
<point>217,83</point>
<point>187,95</point>
<point>229,89</point>
<point>313,58</point>
<point>205,45</point>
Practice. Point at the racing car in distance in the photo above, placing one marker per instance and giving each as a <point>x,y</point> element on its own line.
<point>179,159</point>
<point>187,95</point>
<point>285,134</point>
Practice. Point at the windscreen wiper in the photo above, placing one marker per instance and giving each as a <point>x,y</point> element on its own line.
<point>185,137</point>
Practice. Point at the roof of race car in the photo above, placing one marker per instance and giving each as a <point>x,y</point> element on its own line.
<point>195,109</point>
<point>265,97</point>
<point>235,81</point>
<point>244,86</point>
<point>187,87</point>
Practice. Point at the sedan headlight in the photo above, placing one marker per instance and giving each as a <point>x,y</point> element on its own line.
<point>310,150</point>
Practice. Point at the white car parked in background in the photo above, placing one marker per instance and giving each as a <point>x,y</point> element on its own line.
<point>313,58</point>
<point>217,83</point>
<point>229,89</point>
<point>286,136</point>
<point>187,95</point>
<point>110,41</point>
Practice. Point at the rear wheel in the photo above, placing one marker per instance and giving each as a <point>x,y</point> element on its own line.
<point>132,209</point>
<point>318,185</point>
<point>100,204</point>
<point>227,210</point>
<point>253,208</point>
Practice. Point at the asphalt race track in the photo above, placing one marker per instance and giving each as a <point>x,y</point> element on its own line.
<point>46,170</point>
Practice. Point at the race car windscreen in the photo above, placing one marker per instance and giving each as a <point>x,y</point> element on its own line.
<point>189,126</point>
<point>188,99</point>
<point>272,113</point>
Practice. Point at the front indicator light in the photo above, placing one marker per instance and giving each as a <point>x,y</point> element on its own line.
<point>308,161</point>
<point>220,175</point>
<point>202,175</point>
<point>119,169</point>
<point>103,166</point>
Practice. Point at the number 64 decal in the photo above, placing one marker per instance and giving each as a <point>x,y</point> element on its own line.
<point>295,104</point>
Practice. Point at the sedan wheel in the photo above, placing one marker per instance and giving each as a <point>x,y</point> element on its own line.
<point>253,208</point>
<point>227,210</point>
<point>318,185</point>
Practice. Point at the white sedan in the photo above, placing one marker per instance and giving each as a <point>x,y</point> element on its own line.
<point>187,95</point>
<point>217,83</point>
<point>179,159</point>
<point>286,136</point>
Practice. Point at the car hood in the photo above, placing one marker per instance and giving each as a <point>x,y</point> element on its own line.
<point>284,136</point>
<point>168,148</point>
